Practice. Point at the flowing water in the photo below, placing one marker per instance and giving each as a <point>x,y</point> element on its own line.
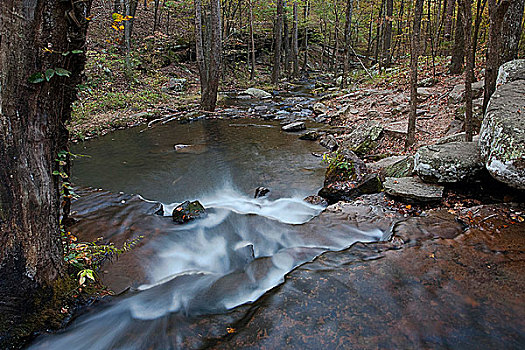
<point>242,248</point>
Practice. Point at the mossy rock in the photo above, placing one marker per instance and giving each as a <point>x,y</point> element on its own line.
<point>188,211</point>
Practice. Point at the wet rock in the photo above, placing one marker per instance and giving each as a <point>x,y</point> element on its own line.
<point>320,108</point>
<point>256,93</point>
<point>413,189</point>
<point>320,118</point>
<point>329,142</point>
<point>396,166</point>
<point>502,135</point>
<point>316,200</point>
<point>344,166</point>
<point>457,95</point>
<point>292,127</point>
<point>187,211</point>
<point>261,192</point>
<point>348,190</point>
<point>363,139</point>
<point>449,163</point>
<point>511,71</point>
<point>310,136</point>
<point>180,147</point>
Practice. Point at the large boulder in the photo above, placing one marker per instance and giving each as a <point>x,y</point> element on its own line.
<point>451,162</point>
<point>363,139</point>
<point>502,134</point>
<point>412,189</point>
<point>395,166</point>
<point>187,211</point>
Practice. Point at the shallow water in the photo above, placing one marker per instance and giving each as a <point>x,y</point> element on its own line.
<point>240,250</point>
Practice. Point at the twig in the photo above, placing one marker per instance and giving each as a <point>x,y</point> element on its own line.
<point>362,64</point>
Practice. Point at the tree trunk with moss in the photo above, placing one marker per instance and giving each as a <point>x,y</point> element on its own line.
<point>40,65</point>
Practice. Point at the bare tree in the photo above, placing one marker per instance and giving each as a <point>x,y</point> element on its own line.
<point>278,43</point>
<point>414,56</point>
<point>209,51</point>
<point>295,40</point>
<point>466,10</point>
<point>252,42</point>
<point>511,31</point>
<point>348,42</point>
<point>458,51</point>
<point>387,33</point>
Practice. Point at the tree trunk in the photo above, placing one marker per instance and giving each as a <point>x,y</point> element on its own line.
<point>497,10</point>
<point>414,55</point>
<point>252,42</point>
<point>295,40</point>
<point>306,15</point>
<point>387,33</point>
<point>208,41</point>
<point>278,37</point>
<point>286,42</point>
<point>32,131</point>
<point>156,16</point>
<point>466,9</point>
<point>511,31</point>
<point>348,42</point>
<point>449,15</point>
<point>379,31</point>
<point>458,51</point>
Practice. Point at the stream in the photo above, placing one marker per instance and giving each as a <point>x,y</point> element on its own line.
<point>253,272</point>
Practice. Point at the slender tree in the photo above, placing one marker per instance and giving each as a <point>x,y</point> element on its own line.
<point>252,41</point>
<point>466,9</point>
<point>348,42</point>
<point>458,51</point>
<point>387,33</point>
<point>511,31</point>
<point>414,56</point>
<point>38,84</point>
<point>295,40</point>
<point>278,42</point>
<point>209,52</point>
<point>497,10</point>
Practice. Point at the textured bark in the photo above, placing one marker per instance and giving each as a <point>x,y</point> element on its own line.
<point>466,9</point>
<point>458,51</point>
<point>32,131</point>
<point>252,42</point>
<point>286,42</point>
<point>449,15</point>
<point>348,42</point>
<point>497,10</point>
<point>295,41</point>
<point>387,35</point>
<point>414,55</point>
<point>208,39</point>
<point>511,31</point>
<point>278,42</point>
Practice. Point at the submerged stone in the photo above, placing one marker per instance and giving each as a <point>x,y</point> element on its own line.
<point>292,127</point>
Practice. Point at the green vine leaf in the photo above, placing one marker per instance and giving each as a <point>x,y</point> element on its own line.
<point>36,78</point>
<point>61,72</point>
<point>49,74</point>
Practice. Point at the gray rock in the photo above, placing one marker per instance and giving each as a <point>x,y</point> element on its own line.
<point>363,139</point>
<point>310,136</point>
<point>457,95</point>
<point>413,189</point>
<point>396,166</point>
<point>511,71</point>
<point>502,135</point>
<point>320,108</point>
<point>424,93</point>
<point>177,85</point>
<point>455,127</point>
<point>348,190</point>
<point>428,82</point>
<point>329,142</point>
<point>452,162</point>
<point>451,138</point>
<point>292,127</point>
<point>256,93</point>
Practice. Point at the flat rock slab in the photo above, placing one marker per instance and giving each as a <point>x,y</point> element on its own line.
<point>297,126</point>
<point>412,188</point>
<point>256,93</point>
<point>452,162</point>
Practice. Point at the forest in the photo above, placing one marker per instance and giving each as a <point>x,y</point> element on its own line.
<point>179,174</point>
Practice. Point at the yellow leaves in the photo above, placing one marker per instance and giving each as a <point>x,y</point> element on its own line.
<point>230,330</point>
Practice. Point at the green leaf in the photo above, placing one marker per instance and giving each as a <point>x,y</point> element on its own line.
<point>61,72</point>
<point>65,53</point>
<point>76,52</point>
<point>49,74</point>
<point>36,78</point>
